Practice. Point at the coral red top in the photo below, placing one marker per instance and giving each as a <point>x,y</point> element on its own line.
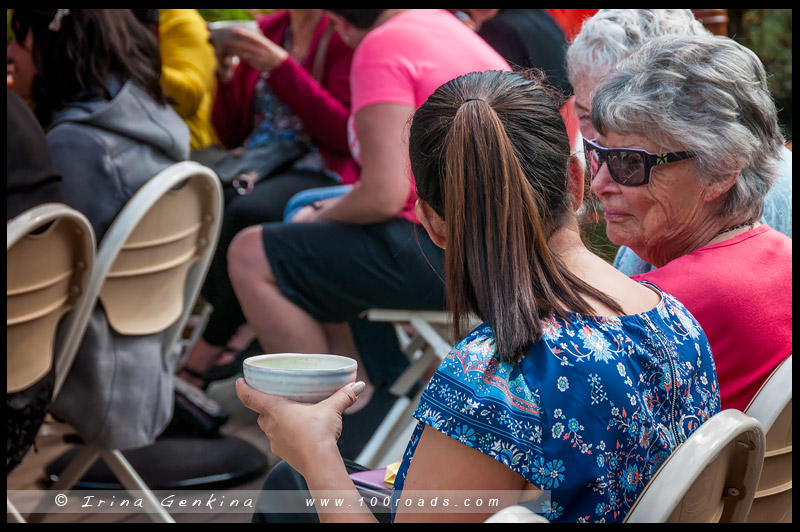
<point>740,291</point>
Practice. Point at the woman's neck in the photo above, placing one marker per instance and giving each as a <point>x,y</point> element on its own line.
<point>302,19</point>
<point>710,230</point>
<point>567,245</point>
<point>302,22</point>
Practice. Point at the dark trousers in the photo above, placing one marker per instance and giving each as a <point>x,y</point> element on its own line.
<point>265,203</point>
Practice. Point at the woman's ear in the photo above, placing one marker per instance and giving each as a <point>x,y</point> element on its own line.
<point>720,188</point>
<point>432,223</point>
<point>575,181</point>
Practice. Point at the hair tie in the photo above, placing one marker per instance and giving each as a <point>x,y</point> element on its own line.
<point>474,100</point>
<point>55,24</point>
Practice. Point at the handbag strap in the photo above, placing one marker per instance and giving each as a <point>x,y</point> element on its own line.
<point>318,67</point>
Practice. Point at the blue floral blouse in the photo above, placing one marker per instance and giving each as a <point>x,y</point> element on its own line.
<point>590,414</point>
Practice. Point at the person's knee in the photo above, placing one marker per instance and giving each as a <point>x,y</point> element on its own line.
<point>246,256</point>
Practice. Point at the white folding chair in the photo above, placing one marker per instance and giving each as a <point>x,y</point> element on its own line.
<point>48,272</point>
<point>149,270</point>
<point>709,478</point>
<point>772,406</point>
<point>430,340</point>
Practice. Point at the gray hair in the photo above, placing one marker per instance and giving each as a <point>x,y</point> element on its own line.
<point>704,94</point>
<point>612,34</point>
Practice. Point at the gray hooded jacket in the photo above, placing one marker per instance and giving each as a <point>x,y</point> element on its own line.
<point>119,392</point>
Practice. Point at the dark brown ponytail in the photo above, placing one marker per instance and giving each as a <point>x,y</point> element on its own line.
<point>490,152</point>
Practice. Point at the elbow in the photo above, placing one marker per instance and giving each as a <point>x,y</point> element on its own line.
<point>388,206</point>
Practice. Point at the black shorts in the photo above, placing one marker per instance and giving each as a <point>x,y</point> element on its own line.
<point>335,271</point>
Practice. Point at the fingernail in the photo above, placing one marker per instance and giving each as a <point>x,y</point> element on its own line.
<point>358,387</point>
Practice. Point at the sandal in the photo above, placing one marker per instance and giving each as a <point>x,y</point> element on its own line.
<point>222,371</point>
<point>197,379</point>
<point>225,371</point>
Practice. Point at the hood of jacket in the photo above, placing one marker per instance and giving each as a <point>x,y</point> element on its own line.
<point>131,114</point>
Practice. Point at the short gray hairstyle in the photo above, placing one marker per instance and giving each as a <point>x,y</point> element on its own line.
<point>611,35</point>
<point>704,94</point>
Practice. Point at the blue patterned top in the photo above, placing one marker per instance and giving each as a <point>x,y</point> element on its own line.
<point>590,414</point>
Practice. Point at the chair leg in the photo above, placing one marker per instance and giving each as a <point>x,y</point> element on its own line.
<point>403,338</point>
<point>68,477</point>
<point>397,441</point>
<point>371,454</point>
<point>132,482</point>
<point>432,336</point>
<point>13,515</point>
<point>185,344</point>
<point>414,344</point>
<point>76,469</point>
<point>432,346</point>
<point>414,372</point>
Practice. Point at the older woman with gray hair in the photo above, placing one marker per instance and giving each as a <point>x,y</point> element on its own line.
<point>688,146</point>
<point>610,36</point>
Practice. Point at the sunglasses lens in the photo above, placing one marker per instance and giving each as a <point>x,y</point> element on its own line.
<point>626,167</point>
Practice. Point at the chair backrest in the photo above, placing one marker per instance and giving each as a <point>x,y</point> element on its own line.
<point>772,406</point>
<point>48,272</point>
<point>153,259</point>
<point>709,478</point>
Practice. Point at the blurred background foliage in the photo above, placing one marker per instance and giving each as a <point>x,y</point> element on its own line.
<point>768,32</point>
<point>212,15</point>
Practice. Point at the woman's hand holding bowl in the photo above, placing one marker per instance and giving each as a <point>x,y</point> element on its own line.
<point>300,433</point>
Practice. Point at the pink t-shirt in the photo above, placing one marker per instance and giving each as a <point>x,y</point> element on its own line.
<point>740,291</point>
<point>408,57</point>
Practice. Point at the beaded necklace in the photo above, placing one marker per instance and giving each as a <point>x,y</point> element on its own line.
<point>733,228</point>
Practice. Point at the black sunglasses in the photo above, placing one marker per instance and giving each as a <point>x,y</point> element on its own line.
<point>627,166</point>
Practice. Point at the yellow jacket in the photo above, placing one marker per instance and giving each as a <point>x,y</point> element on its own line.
<point>188,74</point>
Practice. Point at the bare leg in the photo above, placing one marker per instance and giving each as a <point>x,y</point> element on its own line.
<point>279,324</point>
<point>240,341</point>
<point>340,340</point>
<point>202,356</point>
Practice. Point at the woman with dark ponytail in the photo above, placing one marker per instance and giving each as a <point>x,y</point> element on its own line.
<point>579,383</point>
<point>500,266</point>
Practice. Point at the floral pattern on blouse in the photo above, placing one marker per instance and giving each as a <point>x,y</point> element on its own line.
<point>590,414</point>
<point>274,120</point>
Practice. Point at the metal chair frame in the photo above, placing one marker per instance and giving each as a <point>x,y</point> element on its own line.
<point>430,341</point>
<point>22,226</point>
<point>772,406</point>
<point>110,247</point>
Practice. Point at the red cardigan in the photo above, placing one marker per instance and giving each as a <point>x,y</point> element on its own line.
<point>324,109</point>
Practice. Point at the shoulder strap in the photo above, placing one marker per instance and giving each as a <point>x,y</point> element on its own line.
<point>318,67</point>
